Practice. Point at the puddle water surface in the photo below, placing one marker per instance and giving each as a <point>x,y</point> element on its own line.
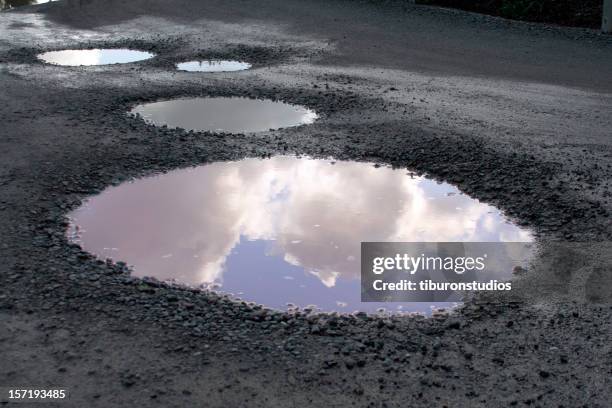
<point>232,115</point>
<point>9,4</point>
<point>213,66</point>
<point>94,56</point>
<point>278,231</point>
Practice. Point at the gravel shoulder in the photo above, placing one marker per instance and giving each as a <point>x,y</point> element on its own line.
<point>515,114</point>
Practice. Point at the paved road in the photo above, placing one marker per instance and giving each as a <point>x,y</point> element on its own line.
<point>516,115</point>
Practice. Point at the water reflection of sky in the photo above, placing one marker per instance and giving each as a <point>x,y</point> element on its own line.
<point>225,114</point>
<point>277,231</point>
<point>94,56</point>
<point>213,66</point>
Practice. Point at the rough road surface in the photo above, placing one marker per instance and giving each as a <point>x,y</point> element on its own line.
<point>517,115</point>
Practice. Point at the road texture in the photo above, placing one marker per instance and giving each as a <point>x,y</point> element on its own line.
<point>517,115</point>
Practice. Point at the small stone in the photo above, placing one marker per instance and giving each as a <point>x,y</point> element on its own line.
<point>329,364</point>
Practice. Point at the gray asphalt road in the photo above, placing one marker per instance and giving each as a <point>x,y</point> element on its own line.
<point>514,114</point>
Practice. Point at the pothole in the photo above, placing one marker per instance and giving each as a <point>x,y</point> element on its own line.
<point>279,231</point>
<point>223,114</point>
<point>96,56</point>
<point>213,66</point>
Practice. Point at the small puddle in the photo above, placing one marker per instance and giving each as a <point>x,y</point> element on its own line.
<point>213,66</point>
<point>279,231</point>
<point>232,115</point>
<point>94,57</point>
<point>9,4</point>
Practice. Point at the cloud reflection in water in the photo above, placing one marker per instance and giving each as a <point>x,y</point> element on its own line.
<point>278,230</point>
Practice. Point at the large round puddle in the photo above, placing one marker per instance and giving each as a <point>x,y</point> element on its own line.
<point>213,66</point>
<point>94,56</point>
<point>278,231</point>
<point>232,115</point>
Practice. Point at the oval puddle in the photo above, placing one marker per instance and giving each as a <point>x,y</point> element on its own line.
<point>96,56</point>
<point>232,115</point>
<point>213,66</point>
<point>279,231</point>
